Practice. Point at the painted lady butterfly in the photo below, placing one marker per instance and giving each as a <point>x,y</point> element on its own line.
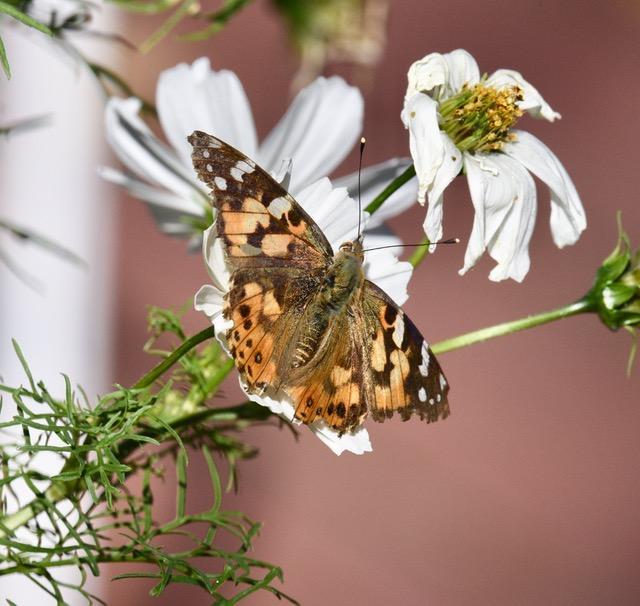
<point>306,321</point>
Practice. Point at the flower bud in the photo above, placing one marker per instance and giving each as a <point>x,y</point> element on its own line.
<point>616,291</point>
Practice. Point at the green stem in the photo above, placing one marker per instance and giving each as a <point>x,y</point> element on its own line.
<point>178,15</point>
<point>507,328</point>
<point>395,185</point>
<point>171,359</point>
<point>419,254</point>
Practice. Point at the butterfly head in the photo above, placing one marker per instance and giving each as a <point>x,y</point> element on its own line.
<point>354,248</point>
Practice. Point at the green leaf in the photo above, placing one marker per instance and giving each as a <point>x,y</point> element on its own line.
<point>17,14</point>
<point>30,236</point>
<point>24,365</point>
<point>215,480</point>
<point>181,493</point>
<point>4,60</point>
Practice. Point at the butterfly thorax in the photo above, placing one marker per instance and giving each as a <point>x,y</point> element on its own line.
<point>339,288</point>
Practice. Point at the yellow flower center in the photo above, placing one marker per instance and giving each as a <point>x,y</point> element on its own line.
<point>479,118</point>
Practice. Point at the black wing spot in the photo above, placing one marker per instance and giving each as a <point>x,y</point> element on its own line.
<point>390,314</point>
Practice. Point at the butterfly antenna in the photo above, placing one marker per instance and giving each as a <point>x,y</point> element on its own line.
<point>448,241</point>
<point>362,144</point>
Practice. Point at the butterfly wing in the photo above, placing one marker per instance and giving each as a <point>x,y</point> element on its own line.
<point>405,376</point>
<point>275,251</point>
<point>260,223</point>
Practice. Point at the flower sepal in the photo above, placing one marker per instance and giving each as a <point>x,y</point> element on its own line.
<point>615,294</point>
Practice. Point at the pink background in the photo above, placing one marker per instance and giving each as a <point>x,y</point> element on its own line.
<point>528,494</point>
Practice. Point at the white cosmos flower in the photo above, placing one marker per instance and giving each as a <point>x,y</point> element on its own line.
<point>458,120</point>
<point>316,133</point>
<point>337,215</point>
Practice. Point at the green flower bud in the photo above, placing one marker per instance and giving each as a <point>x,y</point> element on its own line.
<point>615,295</point>
<point>616,291</point>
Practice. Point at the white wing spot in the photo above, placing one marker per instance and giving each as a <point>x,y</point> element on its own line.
<point>443,382</point>
<point>244,166</point>
<point>432,401</point>
<point>210,168</point>
<point>422,395</point>
<point>279,206</point>
<point>221,183</point>
<point>439,397</point>
<point>214,143</point>
<point>424,364</point>
<point>237,174</point>
<point>398,332</point>
<point>205,153</point>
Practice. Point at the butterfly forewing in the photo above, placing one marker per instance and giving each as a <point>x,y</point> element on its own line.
<point>260,223</point>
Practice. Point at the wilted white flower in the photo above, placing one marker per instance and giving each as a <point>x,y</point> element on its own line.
<point>458,121</point>
<point>337,215</point>
<point>316,133</point>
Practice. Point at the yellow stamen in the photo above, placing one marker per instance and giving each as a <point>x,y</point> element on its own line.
<point>479,117</point>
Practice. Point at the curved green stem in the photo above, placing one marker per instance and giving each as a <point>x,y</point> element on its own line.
<point>171,359</point>
<point>395,185</point>
<point>506,328</point>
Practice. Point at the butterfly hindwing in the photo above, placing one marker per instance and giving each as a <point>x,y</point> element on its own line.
<point>405,375</point>
<point>263,305</point>
<point>334,391</point>
<point>260,223</point>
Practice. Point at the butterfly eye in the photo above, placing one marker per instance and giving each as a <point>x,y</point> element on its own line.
<point>329,280</point>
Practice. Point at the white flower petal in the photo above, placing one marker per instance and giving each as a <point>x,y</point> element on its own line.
<point>283,173</point>
<point>318,130</point>
<point>161,198</point>
<point>333,210</point>
<point>210,301</point>
<point>448,171</point>
<point>442,76</point>
<point>503,195</point>
<point>275,402</point>
<point>373,180</point>
<point>357,442</point>
<point>425,143</point>
<point>138,148</point>
<point>533,102</point>
<point>462,69</point>
<point>194,97</point>
<point>385,270</point>
<point>213,251</point>
<point>427,75</point>
<point>568,219</point>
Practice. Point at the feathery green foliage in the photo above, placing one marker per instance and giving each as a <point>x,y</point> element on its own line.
<point>89,514</point>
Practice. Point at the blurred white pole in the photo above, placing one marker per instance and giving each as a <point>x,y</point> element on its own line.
<point>48,183</point>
